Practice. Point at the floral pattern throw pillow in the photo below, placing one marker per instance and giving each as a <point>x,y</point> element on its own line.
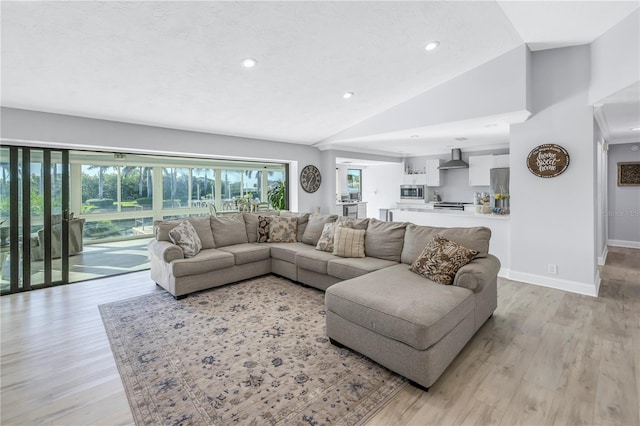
<point>185,236</point>
<point>283,229</point>
<point>264,223</point>
<point>325,242</point>
<point>441,259</point>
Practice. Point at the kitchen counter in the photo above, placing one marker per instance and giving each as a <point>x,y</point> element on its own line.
<point>500,226</point>
<point>341,207</point>
<point>444,212</point>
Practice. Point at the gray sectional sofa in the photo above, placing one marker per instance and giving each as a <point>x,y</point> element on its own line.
<point>374,304</point>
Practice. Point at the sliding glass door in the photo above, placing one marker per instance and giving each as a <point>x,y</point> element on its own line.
<point>34,219</point>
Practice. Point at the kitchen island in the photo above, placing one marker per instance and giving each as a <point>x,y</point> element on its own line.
<point>500,225</point>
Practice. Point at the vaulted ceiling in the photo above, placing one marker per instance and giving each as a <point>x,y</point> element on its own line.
<point>178,64</point>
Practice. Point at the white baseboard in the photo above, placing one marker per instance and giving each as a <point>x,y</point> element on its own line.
<point>504,273</point>
<point>623,243</point>
<point>557,283</point>
<point>602,259</point>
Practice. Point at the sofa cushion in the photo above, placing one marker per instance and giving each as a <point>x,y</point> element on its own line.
<point>401,305</point>
<point>354,223</point>
<point>287,251</point>
<point>314,260</point>
<point>347,268</point>
<point>185,236</point>
<point>251,223</point>
<point>441,259</point>
<point>384,240</point>
<point>283,229</point>
<point>206,261</point>
<point>248,252</point>
<point>349,242</point>
<point>314,227</point>
<point>200,223</point>
<point>228,231</point>
<point>417,237</point>
<point>303,220</point>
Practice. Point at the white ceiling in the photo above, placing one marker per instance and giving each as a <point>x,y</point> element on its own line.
<point>177,64</point>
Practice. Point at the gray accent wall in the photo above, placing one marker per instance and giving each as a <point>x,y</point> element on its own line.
<point>623,201</point>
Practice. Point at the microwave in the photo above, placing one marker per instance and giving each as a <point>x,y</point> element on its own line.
<point>412,192</point>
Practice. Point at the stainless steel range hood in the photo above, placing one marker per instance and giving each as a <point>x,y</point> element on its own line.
<point>455,162</point>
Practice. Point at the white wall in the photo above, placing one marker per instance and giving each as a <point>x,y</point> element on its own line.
<point>552,220</point>
<point>381,187</point>
<point>624,201</point>
<point>71,132</point>
<point>615,59</point>
<point>601,194</point>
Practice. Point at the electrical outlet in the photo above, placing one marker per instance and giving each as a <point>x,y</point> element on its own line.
<point>553,268</point>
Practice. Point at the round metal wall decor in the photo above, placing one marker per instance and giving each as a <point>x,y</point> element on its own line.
<point>548,160</point>
<point>310,178</point>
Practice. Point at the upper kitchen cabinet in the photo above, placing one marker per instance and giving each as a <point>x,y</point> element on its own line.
<point>500,161</point>
<point>414,179</point>
<point>433,174</point>
<point>479,166</point>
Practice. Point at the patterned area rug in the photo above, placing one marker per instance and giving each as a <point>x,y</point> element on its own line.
<point>252,353</point>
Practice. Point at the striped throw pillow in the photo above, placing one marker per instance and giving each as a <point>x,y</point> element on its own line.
<point>349,242</point>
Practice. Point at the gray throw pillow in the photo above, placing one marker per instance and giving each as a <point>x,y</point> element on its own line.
<point>354,223</point>
<point>384,240</point>
<point>228,231</point>
<point>200,223</point>
<point>315,226</point>
<point>251,222</point>
<point>185,236</point>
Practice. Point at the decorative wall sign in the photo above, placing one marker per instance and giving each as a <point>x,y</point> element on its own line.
<point>310,178</point>
<point>548,160</point>
<point>629,174</point>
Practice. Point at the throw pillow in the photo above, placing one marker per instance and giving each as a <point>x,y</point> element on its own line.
<point>441,259</point>
<point>228,231</point>
<point>185,236</point>
<point>349,242</point>
<point>351,222</point>
<point>283,229</point>
<point>325,242</point>
<point>315,226</point>
<point>264,223</point>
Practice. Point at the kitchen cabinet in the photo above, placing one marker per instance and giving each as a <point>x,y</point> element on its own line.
<point>362,210</point>
<point>500,161</point>
<point>415,179</point>
<point>433,174</point>
<point>479,166</point>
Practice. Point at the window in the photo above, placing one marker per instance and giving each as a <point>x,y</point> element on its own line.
<point>175,188</point>
<point>99,189</point>
<point>354,183</point>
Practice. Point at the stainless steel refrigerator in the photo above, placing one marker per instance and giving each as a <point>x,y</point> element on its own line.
<point>499,185</point>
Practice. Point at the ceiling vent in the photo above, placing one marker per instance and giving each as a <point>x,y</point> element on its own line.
<point>455,162</point>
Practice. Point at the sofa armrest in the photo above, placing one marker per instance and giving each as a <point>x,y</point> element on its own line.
<point>478,273</point>
<point>165,250</point>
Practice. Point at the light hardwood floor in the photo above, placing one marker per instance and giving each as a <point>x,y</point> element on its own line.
<point>546,357</point>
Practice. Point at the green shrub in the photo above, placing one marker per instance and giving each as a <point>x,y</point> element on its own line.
<point>101,202</point>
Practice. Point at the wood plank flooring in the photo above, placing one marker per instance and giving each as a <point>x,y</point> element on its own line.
<point>546,357</point>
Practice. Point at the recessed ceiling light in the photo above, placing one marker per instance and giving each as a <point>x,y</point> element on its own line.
<point>348,95</point>
<point>491,125</point>
<point>249,62</point>
<point>635,129</point>
<point>432,45</point>
<point>462,139</point>
<point>415,136</point>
